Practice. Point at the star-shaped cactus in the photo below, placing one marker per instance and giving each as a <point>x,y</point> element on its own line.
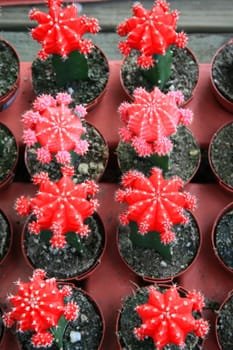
<point>150,32</point>
<point>60,31</point>
<point>154,203</point>
<point>168,317</point>
<point>151,118</point>
<point>55,127</point>
<point>38,306</point>
<point>60,206</point>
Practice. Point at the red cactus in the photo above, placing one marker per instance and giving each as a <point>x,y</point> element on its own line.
<point>38,306</point>
<point>150,32</point>
<point>59,206</point>
<point>55,127</point>
<point>168,317</point>
<point>61,30</point>
<point>151,118</point>
<point>154,203</point>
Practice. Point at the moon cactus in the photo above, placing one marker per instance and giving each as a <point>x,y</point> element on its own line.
<point>167,317</point>
<point>38,306</point>
<point>151,118</point>
<point>60,32</point>
<point>55,128</point>
<point>60,206</point>
<point>154,203</point>
<point>151,33</point>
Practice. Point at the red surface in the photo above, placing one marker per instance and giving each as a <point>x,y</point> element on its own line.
<point>112,280</point>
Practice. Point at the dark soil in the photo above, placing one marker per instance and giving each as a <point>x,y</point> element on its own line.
<point>129,319</point>
<point>89,326</point>
<point>184,76</point>
<point>8,152</point>
<point>82,91</point>
<point>5,235</point>
<point>222,71</point>
<point>89,166</point>
<point>9,68</point>
<point>68,262</point>
<point>223,239</point>
<point>149,263</point>
<point>225,325</point>
<point>221,154</point>
<point>184,158</point>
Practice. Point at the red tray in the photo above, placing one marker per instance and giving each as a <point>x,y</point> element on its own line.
<point>33,2</point>
<point>112,280</point>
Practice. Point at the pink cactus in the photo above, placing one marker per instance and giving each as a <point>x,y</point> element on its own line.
<point>154,203</point>
<point>150,32</point>
<point>38,306</point>
<point>61,30</point>
<point>55,127</point>
<point>151,118</point>
<point>168,317</point>
<point>60,206</point>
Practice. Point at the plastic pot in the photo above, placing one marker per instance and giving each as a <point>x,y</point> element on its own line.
<point>220,155</point>
<point>6,235</point>
<point>150,265</point>
<point>47,83</point>
<point>59,263</point>
<point>222,237</point>
<point>8,97</point>
<point>223,72</point>
<point>192,58</point>
<point>224,324</point>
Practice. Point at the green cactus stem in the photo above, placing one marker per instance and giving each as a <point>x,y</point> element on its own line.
<point>58,332</point>
<point>74,67</point>
<point>160,72</point>
<point>149,240</point>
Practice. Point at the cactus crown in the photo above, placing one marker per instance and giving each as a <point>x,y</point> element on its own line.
<point>154,203</point>
<point>60,206</point>
<point>55,127</point>
<point>60,31</point>
<point>38,306</point>
<point>150,32</point>
<point>168,317</point>
<point>150,119</point>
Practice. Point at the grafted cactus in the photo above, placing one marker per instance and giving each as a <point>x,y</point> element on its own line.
<point>39,306</point>
<point>151,118</point>
<point>55,128</point>
<point>155,204</point>
<point>168,317</point>
<point>151,33</point>
<point>59,206</point>
<point>60,32</point>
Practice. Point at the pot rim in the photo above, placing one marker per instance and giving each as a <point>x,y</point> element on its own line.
<point>129,96</point>
<point>223,211</point>
<point>223,101</point>
<point>83,275</point>
<point>13,91</point>
<point>168,279</point>
<point>219,179</point>
<point>10,177</point>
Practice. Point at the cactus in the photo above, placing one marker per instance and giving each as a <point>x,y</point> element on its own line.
<point>39,306</point>
<point>151,33</point>
<point>60,207</point>
<point>54,128</point>
<point>167,317</point>
<point>149,121</point>
<point>155,204</point>
<point>60,32</point>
